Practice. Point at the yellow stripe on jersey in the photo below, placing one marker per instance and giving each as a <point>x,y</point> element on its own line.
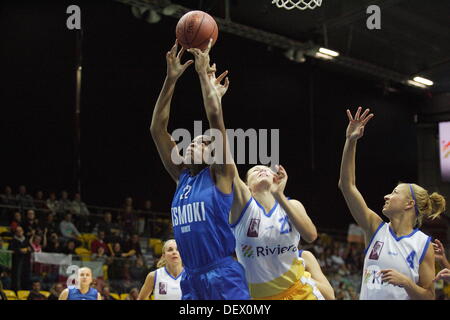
<point>280,284</point>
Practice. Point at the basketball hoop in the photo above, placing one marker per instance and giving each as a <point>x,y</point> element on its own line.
<point>299,4</point>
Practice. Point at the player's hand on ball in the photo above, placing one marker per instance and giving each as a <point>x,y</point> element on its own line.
<point>202,58</point>
<point>355,129</point>
<point>174,67</point>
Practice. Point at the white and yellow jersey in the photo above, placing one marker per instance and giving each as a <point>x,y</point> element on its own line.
<point>166,287</point>
<point>387,251</point>
<point>267,247</point>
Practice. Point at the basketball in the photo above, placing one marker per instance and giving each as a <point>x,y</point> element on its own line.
<point>195,28</point>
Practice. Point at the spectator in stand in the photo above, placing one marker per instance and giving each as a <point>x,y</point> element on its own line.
<point>129,220</point>
<point>100,255</point>
<point>55,291</point>
<point>20,260</point>
<point>7,199</point>
<point>5,277</point>
<point>52,203</point>
<point>49,223</point>
<point>40,204</point>
<point>79,207</point>
<point>128,203</point>
<point>99,243</point>
<point>31,224</point>
<point>144,218</point>
<point>133,295</point>
<point>2,294</point>
<point>138,272</point>
<point>108,227</point>
<point>53,246</point>
<point>133,245</point>
<point>81,211</point>
<point>36,242</point>
<point>116,267</point>
<point>68,229</point>
<point>65,205</point>
<point>106,294</point>
<point>16,221</point>
<point>69,248</point>
<point>23,200</point>
<point>167,232</point>
<point>35,293</point>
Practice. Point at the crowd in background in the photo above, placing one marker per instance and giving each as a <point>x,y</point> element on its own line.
<point>55,224</point>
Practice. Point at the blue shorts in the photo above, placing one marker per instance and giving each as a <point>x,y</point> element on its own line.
<point>222,280</point>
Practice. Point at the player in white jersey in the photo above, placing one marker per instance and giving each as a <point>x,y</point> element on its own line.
<point>165,281</point>
<point>399,262</point>
<point>267,226</point>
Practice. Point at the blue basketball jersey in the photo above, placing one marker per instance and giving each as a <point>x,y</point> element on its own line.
<point>200,220</point>
<point>75,294</point>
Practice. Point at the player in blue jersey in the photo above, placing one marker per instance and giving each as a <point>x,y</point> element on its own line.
<point>204,194</point>
<point>84,292</point>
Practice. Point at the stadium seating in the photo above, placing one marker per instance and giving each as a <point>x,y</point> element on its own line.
<point>10,295</point>
<point>45,293</point>
<point>115,296</point>
<point>23,294</point>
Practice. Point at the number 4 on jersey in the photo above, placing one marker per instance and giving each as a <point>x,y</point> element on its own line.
<point>410,259</point>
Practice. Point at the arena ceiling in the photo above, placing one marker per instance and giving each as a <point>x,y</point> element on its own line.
<point>414,38</point>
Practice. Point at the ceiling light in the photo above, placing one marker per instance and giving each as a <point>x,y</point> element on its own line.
<point>423,81</point>
<point>328,52</point>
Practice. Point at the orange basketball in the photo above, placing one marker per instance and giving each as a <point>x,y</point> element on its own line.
<point>195,28</point>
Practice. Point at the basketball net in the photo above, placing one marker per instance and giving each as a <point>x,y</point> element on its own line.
<point>299,4</point>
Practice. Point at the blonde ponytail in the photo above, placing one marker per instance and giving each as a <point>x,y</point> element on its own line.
<point>430,206</point>
<point>437,205</point>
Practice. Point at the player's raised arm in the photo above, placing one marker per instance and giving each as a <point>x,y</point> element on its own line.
<point>366,218</point>
<point>213,91</point>
<point>164,143</point>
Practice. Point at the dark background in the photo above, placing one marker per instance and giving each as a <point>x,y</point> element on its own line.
<point>123,71</point>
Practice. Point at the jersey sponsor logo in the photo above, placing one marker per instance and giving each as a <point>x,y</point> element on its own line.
<point>253,228</point>
<point>163,288</point>
<point>248,252</point>
<point>376,250</point>
<point>188,213</point>
<point>372,278</point>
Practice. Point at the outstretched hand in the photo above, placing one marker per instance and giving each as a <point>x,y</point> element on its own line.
<point>202,58</point>
<point>220,88</point>
<point>355,129</point>
<point>439,251</point>
<point>443,275</point>
<point>279,181</point>
<point>174,67</point>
